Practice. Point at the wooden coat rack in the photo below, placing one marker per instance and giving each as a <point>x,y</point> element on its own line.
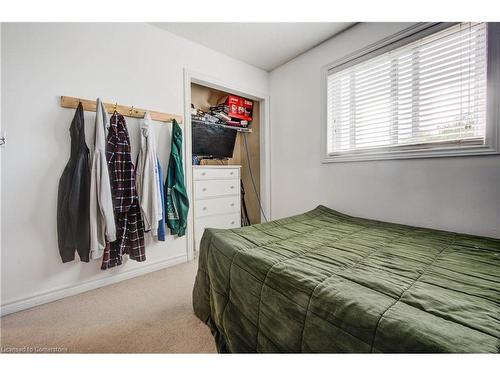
<point>129,111</point>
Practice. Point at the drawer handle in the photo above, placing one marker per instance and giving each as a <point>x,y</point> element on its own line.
<point>204,189</point>
<point>204,208</point>
<point>203,173</point>
<point>231,173</point>
<point>232,186</point>
<point>232,204</point>
<point>232,222</point>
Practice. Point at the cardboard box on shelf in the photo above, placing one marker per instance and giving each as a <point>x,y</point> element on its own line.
<point>239,107</point>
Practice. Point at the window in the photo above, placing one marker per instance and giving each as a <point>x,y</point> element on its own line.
<point>425,93</point>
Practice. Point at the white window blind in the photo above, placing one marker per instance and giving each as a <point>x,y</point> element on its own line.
<point>430,92</point>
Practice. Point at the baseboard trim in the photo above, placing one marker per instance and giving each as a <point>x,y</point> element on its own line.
<point>56,294</point>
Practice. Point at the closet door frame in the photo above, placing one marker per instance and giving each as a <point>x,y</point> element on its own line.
<point>265,150</point>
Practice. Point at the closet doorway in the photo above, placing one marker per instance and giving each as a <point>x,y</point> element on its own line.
<point>202,93</point>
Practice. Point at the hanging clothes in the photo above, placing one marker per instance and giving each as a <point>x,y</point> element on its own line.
<point>161,223</point>
<point>73,196</point>
<point>128,218</point>
<point>177,201</point>
<point>102,218</point>
<point>147,178</point>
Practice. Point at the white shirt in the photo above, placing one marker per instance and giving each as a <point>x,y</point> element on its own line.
<point>102,219</point>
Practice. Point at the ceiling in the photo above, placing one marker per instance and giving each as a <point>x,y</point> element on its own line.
<point>264,45</point>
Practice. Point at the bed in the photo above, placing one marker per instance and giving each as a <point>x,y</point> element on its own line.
<point>326,282</point>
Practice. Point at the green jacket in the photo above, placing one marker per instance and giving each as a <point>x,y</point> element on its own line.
<point>177,202</point>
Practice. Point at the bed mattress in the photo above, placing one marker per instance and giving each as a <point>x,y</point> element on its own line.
<point>327,282</point>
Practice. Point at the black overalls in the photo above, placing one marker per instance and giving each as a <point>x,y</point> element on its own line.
<point>73,199</point>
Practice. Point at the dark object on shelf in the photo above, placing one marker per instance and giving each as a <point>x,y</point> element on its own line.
<point>205,117</point>
<point>235,123</point>
<point>242,129</point>
<point>220,108</point>
<point>212,140</point>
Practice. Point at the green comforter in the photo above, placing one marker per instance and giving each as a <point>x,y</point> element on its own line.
<point>327,282</point>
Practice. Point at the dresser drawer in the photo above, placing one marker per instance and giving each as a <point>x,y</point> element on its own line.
<point>214,188</point>
<point>215,173</point>
<point>219,221</point>
<point>216,206</point>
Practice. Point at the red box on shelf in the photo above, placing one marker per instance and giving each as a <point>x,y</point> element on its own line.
<point>239,108</point>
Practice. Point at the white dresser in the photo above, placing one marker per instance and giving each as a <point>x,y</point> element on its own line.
<point>217,201</point>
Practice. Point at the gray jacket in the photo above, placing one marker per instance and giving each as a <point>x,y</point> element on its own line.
<point>102,220</point>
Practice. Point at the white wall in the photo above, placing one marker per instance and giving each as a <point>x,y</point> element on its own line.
<point>133,64</point>
<point>458,194</point>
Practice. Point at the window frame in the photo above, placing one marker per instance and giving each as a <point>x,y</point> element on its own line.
<point>415,32</point>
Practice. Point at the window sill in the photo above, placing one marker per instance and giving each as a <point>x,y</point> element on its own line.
<point>369,155</point>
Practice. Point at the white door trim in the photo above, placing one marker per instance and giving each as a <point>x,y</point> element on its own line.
<point>265,139</point>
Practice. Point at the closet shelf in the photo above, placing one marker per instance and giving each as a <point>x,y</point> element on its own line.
<point>208,123</point>
<point>129,111</point>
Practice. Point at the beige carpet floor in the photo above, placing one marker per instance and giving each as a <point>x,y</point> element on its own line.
<point>146,314</point>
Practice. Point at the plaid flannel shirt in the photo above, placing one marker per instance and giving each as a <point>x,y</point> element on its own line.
<point>129,223</point>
